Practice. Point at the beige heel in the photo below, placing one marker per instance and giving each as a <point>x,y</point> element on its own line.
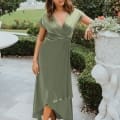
<point>42,117</point>
<point>49,118</point>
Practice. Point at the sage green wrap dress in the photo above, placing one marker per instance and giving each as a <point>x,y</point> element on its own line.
<point>53,84</point>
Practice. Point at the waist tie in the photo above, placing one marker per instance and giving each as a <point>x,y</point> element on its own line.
<point>54,37</point>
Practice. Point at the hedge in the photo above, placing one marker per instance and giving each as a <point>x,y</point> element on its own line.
<point>24,47</point>
<point>89,89</point>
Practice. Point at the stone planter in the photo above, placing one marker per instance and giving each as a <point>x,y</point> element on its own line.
<point>107,73</point>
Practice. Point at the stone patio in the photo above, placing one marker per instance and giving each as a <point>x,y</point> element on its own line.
<point>17,87</point>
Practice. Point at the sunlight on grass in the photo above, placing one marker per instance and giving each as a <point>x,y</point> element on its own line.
<point>30,15</point>
<point>14,30</point>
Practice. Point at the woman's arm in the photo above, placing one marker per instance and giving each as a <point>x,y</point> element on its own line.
<point>88,33</point>
<point>86,20</point>
<point>40,38</point>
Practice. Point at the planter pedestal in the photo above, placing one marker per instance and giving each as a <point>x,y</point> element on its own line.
<point>106,72</point>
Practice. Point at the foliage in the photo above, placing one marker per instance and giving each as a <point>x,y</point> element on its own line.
<point>89,89</point>
<point>92,8</point>
<point>108,23</point>
<point>33,30</point>
<point>111,7</point>
<point>18,25</point>
<point>77,57</point>
<point>9,5</point>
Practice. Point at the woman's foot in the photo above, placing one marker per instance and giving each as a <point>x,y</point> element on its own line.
<point>48,113</point>
<point>53,115</point>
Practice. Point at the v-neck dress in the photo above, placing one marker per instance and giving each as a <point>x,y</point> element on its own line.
<point>53,84</point>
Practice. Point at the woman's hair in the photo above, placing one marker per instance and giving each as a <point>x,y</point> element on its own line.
<point>50,7</point>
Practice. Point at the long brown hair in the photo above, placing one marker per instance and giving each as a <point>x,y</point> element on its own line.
<point>50,7</point>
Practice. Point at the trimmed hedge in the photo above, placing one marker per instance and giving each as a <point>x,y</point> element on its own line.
<point>89,89</point>
<point>18,25</point>
<point>24,47</point>
<point>33,30</point>
<point>77,60</point>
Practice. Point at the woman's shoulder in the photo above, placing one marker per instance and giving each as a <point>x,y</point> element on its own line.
<point>44,14</point>
<point>77,10</point>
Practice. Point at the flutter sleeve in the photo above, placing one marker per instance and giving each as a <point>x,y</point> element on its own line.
<point>80,13</point>
<point>42,21</point>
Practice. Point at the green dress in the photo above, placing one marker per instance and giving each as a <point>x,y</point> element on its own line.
<point>53,84</point>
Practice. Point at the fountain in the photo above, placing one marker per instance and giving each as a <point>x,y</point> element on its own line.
<point>31,4</point>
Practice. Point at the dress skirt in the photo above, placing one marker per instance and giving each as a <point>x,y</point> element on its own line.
<point>53,84</point>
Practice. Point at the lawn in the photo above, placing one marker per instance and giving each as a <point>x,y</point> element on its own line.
<point>14,30</point>
<point>30,15</point>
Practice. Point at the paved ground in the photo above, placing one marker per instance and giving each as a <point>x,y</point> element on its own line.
<point>16,33</point>
<point>16,91</point>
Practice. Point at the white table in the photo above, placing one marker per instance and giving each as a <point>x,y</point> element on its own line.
<point>6,40</point>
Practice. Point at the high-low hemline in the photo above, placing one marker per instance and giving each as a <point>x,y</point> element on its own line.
<point>57,106</point>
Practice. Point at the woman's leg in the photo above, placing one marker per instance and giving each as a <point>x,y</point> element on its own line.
<point>48,113</point>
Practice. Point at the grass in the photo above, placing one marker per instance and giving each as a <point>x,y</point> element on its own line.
<point>30,15</point>
<point>14,30</point>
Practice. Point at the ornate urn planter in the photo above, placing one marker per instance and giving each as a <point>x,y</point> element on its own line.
<point>106,72</point>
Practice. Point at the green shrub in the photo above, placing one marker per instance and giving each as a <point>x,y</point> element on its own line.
<point>5,26</point>
<point>90,90</point>
<point>78,53</point>
<point>77,61</point>
<point>18,25</point>
<point>111,7</point>
<point>91,93</point>
<point>33,30</point>
<point>21,24</point>
<point>82,59</point>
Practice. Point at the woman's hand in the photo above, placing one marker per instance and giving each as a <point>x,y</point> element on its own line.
<point>88,33</point>
<point>35,67</point>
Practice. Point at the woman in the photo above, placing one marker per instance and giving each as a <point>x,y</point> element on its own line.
<point>51,60</point>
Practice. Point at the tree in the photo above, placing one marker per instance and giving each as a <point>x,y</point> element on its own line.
<point>92,8</point>
<point>9,5</point>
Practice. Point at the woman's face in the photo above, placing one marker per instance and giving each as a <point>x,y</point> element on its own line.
<point>59,3</point>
